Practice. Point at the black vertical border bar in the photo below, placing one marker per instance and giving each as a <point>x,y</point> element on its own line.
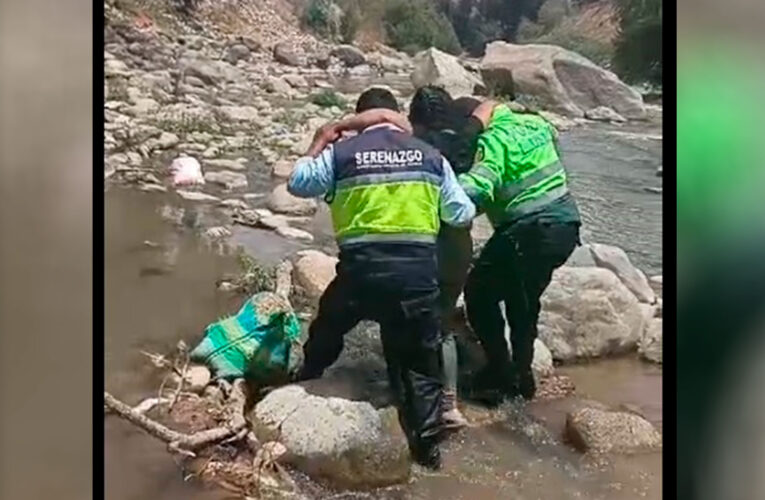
<point>669,250</point>
<point>98,249</point>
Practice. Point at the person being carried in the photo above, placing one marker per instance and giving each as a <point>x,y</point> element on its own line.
<point>519,181</point>
<point>387,192</point>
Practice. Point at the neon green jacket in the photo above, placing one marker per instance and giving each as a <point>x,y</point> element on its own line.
<point>517,170</point>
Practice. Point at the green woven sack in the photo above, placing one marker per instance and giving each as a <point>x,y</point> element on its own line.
<point>254,344</point>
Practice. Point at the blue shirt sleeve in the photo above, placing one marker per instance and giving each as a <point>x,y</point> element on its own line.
<point>313,177</point>
<point>456,207</point>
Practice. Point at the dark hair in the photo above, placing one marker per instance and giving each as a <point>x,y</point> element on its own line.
<point>431,108</point>
<point>376,98</point>
<point>464,106</point>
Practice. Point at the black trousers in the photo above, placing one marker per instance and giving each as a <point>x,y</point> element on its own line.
<point>405,304</point>
<point>515,267</point>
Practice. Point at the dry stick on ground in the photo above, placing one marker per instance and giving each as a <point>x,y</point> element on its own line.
<point>178,441</point>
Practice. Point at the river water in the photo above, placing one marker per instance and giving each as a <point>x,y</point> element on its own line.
<point>161,287</point>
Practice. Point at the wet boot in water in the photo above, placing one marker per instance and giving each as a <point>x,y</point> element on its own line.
<point>427,453</point>
<point>527,387</point>
<point>492,386</point>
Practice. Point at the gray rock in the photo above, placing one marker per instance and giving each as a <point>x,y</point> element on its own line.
<point>285,53</point>
<point>562,81</point>
<point>277,85</point>
<point>588,312</point>
<point>281,201</point>
<point>615,259</point>
<point>236,53</point>
<point>234,203</point>
<point>224,163</point>
<point>604,114</point>
<point>143,106</point>
<point>210,72</point>
<point>197,377</point>
<point>433,67</point>
<point>294,233</point>
<point>296,81</point>
<point>604,431</point>
<point>650,347</point>
<point>167,140</point>
<point>197,196</point>
<point>350,443</point>
<point>239,113</point>
<point>282,168</point>
<point>349,55</point>
<point>227,179</point>
<point>314,271</point>
<point>656,283</point>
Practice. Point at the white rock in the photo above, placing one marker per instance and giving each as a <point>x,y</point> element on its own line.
<point>345,441</point>
<point>615,259</point>
<point>283,168</point>
<point>314,271</point>
<point>239,113</point>
<point>234,203</point>
<point>433,67</point>
<point>167,140</point>
<point>197,196</point>
<point>563,81</point>
<point>588,312</point>
<point>227,179</point>
<point>294,233</point>
<point>651,343</point>
<point>227,164</point>
<point>197,377</point>
<point>604,114</point>
<point>281,201</point>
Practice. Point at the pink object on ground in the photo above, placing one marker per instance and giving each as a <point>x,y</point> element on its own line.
<point>186,171</point>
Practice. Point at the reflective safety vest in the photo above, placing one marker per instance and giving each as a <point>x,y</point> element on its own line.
<point>517,170</point>
<point>387,189</point>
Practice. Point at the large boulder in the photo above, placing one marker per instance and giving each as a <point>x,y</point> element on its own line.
<point>650,346</point>
<point>285,53</point>
<point>603,431</point>
<point>616,260</point>
<point>433,67</point>
<point>282,202</point>
<point>348,442</point>
<point>588,312</point>
<point>563,81</point>
<point>209,72</point>
<point>349,55</point>
<point>314,271</point>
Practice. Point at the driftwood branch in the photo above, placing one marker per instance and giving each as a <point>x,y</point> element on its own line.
<point>181,442</point>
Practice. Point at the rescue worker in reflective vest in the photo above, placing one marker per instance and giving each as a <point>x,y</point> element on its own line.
<point>518,180</point>
<point>388,193</point>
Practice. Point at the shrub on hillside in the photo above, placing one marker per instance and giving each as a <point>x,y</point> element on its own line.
<point>566,36</point>
<point>324,18</point>
<point>639,48</point>
<point>416,25</point>
<point>327,99</point>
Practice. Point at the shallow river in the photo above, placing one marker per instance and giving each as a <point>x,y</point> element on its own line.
<point>161,287</point>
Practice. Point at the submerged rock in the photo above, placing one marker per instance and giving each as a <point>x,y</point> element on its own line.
<point>588,312</point>
<point>197,196</point>
<point>601,430</point>
<point>347,442</point>
<point>294,233</point>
